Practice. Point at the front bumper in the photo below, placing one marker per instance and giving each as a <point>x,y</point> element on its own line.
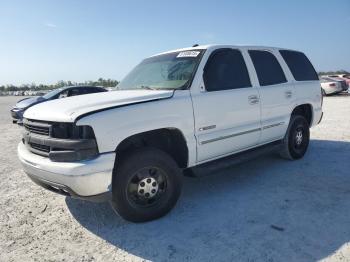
<point>89,179</point>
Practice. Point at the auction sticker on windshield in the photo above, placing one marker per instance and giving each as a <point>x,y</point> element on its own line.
<point>188,54</point>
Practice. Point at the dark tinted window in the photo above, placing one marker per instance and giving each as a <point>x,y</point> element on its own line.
<point>226,69</point>
<point>97,90</point>
<point>75,92</point>
<point>89,90</point>
<point>267,67</point>
<point>299,65</point>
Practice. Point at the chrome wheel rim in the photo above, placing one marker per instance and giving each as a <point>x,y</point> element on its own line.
<point>299,137</point>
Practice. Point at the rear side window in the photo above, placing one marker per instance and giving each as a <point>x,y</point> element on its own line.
<point>226,69</point>
<point>89,90</point>
<point>299,65</point>
<point>267,68</point>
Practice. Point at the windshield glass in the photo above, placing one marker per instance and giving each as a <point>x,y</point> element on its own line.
<point>52,93</point>
<point>168,71</point>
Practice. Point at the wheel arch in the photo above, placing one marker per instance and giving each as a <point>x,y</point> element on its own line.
<point>170,140</point>
<point>305,110</point>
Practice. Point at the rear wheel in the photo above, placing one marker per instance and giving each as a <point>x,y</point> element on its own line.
<point>146,185</point>
<point>296,140</point>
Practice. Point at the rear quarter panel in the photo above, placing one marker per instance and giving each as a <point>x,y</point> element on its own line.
<point>309,92</point>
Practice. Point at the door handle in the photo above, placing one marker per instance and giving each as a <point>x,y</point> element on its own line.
<point>288,94</point>
<point>253,99</point>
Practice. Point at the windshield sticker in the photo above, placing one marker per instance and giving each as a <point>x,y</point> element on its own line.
<point>189,54</point>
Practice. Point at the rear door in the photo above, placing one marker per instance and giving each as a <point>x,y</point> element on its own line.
<point>227,109</point>
<point>276,95</point>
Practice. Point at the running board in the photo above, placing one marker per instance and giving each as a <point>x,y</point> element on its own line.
<point>226,162</point>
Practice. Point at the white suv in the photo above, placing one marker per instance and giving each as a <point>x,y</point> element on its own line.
<point>175,111</point>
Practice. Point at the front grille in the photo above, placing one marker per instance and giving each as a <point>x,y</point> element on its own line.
<point>40,128</point>
<point>42,148</point>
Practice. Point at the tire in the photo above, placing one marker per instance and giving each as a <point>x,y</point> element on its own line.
<point>295,146</point>
<point>140,173</point>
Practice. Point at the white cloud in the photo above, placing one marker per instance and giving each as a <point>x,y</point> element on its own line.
<point>50,25</point>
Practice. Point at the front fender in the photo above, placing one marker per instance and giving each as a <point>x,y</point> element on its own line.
<point>112,126</point>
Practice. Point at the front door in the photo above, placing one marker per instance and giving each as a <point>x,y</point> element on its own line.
<point>227,111</point>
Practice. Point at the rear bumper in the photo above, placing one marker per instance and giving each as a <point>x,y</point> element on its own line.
<point>334,90</point>
<point>90,179</point>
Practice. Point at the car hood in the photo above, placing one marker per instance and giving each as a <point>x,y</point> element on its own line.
<point>26,102</point>
<point>69,109</point>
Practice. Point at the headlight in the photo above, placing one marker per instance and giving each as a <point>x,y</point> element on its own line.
<point>71,131</point>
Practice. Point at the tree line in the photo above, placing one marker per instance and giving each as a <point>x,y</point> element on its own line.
<point>99,82</point>
<point>35,87</point>
<point>339,72</point>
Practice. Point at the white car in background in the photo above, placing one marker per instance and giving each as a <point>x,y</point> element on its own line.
<point>331,86</point>
<point>344,77</point>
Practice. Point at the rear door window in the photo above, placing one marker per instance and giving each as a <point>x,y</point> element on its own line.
<point>267,68</point>
<point>299,65</point>
<point>226,69</point>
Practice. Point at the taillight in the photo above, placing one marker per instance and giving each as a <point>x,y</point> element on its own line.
<point>332,84</point>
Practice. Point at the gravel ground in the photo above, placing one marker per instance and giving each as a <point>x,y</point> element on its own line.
<point>267,209</point>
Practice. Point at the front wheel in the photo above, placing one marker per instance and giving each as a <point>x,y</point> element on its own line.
<point>296,140</point>
<point>146,185</point>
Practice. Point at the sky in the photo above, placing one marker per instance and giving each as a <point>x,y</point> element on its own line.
<point>78,40</point>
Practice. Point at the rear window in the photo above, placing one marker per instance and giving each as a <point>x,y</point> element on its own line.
<point>299,65</point>
<point>267,68</point>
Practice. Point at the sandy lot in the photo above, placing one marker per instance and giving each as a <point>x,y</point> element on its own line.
<point>267,209</point>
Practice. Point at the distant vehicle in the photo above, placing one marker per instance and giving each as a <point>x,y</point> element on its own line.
<point>22,105</point>
<point>331,85</point>
<point>342,81</point>
<point>344,77</point>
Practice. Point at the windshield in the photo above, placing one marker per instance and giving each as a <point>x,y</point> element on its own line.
<point>168,71</point>
<point>52,93</point>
